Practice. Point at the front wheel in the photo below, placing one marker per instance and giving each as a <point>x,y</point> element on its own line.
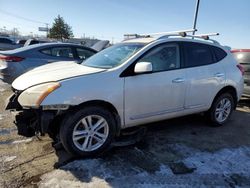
<point>88,131</point>
<point>221,109</point>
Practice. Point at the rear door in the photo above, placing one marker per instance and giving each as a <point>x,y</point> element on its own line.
<point>205,76</point>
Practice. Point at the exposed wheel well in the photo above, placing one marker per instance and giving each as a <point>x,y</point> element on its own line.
<point>228,89</point>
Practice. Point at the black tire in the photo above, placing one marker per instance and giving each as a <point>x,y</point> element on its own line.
<point>70,122</point>
<point>211,115</point>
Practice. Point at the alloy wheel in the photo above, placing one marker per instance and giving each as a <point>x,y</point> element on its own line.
<point>90,133</point>
<point>223,110</point>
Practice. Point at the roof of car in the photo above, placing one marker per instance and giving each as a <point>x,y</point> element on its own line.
<point>147,40</point>
<point>49,44</point>
<point>140,40</point>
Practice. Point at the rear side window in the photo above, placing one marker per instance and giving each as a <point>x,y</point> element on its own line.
<point>46,51</point>
<point>242,57</point>
<point>58,52</point>
<point>219,53</point>
<point>197,54</point>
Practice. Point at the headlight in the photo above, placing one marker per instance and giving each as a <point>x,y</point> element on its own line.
<point>35,95</point>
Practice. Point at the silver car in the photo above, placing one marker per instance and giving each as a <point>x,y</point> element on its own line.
<point>13,63</point>
<point>143,80</point>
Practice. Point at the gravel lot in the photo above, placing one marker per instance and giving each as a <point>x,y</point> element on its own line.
<point>183,152</point>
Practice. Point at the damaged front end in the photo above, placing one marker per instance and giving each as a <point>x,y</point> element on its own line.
<point>29,122</point>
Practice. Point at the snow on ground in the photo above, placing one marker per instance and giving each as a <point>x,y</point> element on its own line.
<point>22,141</point>
<point>3,86</point>
<point>222,168</point>
<point>7,158</point>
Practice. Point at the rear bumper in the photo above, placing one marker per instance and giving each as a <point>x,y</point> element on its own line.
<point>6,76</point>
<point>246,91</point>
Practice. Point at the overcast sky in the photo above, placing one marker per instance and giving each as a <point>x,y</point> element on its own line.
<point>107,19</point>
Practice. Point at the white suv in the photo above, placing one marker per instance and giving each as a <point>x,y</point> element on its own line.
<point>132,83</point>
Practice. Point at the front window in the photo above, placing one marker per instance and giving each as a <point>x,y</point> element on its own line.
<point>163,58</point>
<point>84,53</point>
<point>113,56</point>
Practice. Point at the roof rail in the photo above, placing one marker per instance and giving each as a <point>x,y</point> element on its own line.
<point>206,36</point>
<point>182,33</point>
<point>200,36</point>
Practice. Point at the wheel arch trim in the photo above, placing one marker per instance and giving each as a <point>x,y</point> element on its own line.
<point>227,89</point>
<point>106,105</point>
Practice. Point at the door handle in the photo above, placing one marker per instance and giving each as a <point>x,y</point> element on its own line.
<point>219,75</point>
<point>178,80</point>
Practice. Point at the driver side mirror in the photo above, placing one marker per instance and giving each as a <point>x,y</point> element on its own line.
<point>143,67</point>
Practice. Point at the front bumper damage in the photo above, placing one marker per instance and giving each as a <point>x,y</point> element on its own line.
<point>29,122</point>
<point>33,122</point>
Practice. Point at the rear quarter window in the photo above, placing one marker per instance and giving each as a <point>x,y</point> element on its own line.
<point>219,53</point>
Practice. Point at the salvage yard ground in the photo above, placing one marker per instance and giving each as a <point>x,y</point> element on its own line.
<point>183,152</point>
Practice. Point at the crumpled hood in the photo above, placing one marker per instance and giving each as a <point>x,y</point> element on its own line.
<point>52,72</point>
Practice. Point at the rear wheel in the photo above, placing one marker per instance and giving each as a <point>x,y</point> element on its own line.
<point>88,131</point>
<point>221,109</point>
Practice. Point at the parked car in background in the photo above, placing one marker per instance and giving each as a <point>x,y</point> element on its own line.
<point>7,44</point>
<point>100,45</point>
<point>13,63</point>
<point>135,82</point>
<point>21,42</point>
<point>34,41</point>
<point>243,57</point>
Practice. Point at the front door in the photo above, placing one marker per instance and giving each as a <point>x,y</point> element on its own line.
<point>157,95</point>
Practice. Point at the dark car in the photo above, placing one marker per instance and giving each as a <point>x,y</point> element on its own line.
<point>7,44</point>
<point>13,63</point>
<point>243,57</point>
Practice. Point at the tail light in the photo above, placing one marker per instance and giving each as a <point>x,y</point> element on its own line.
<point>241,68</point>
<point>11,58</point>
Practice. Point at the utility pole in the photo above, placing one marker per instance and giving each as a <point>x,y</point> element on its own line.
<point>14,33</point>
<point>47,29</point>
<point>196,15</point>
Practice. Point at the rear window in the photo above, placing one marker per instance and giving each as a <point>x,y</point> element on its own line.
<point>242,57</point>
<point>34,42</point>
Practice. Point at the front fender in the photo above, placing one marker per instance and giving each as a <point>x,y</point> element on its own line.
<point>90,88</point>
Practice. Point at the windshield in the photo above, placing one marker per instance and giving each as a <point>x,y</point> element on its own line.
<point>113,56</point>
